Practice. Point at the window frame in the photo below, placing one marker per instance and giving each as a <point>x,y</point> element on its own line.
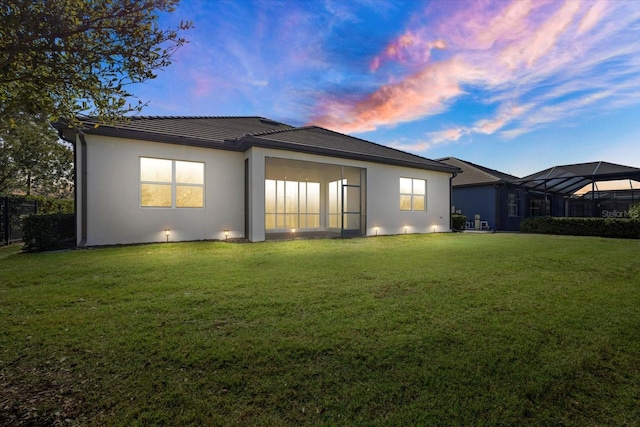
<point>513,205</point>
<point>175,185</point>
<point>413,195</point>
<point>291,207</point>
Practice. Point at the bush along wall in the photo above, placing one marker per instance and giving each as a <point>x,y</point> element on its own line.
<point>458,221</point>
<point>603,227</point>
<point>48,232</point>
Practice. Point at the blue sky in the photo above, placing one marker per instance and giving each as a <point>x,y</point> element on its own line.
<point>518,86</point>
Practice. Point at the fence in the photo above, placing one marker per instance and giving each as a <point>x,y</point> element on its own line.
<point>12,209</point>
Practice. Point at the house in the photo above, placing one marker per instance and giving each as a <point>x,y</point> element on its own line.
<point>503,200</point>
<point>153,179</point>
<point>489,193</point>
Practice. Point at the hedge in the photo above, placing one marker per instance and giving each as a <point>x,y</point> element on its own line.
<point>48,232</point>
<point>603,227</point>
<point>458,221</point>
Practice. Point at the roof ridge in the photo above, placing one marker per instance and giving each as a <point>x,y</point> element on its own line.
<point>483,169</point>
<point>157,117</point>
<point>367,141</point>
<point>273,131</point>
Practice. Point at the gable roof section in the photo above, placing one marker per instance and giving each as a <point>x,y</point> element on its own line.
<point>241,133</point>
<point>473,174</point>
<point>317,140</point>
<point>568,179</point>
<point>209,132</point>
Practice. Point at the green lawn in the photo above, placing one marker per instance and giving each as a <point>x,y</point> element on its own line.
<point>443,329</point>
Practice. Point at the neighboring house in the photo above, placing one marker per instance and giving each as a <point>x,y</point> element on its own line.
<point>153,179</point>
<point>503,200</point>
<point>478,190</point>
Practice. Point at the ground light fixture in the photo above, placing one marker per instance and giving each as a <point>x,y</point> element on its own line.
<point>405,229</point>
<point>376,228</point>
<point>226,234</point>
<point>166,233</point>
<point>293,233</point>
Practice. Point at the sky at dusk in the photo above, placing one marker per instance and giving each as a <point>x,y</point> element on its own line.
<point>517,86</point>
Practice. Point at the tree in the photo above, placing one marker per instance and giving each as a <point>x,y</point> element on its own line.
<point>62,58</point>
<point>33,160</point>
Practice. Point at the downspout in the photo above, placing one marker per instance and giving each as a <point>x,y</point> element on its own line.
<point>83,192</point>
<point>453,175</point>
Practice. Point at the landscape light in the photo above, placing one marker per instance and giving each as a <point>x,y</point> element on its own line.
<point>376,228</point>
<point>293,233</point>
<point>226,234</point>
<point>166,233</point>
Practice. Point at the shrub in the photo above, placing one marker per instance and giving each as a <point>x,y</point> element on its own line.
<point>48,232</point>
<point>48,205</point>
<point>634,211</point>
<point>458,222</point>
<point>602,227</point>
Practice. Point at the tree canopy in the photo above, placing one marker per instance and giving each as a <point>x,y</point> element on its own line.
<point>62,58</point>
<point>33,160</point>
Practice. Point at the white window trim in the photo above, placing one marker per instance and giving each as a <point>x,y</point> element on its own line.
<point>412,195</point>
<point>173,184</point>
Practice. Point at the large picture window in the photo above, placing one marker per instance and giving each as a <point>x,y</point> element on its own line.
<point>413,194</point>
<point>168,183</point>
<point>291,204</point>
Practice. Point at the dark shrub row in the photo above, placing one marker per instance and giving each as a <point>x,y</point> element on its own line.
<point>48,232</point>
<point>458,221</point>
<point>48,205</point>
<point>603,227</point>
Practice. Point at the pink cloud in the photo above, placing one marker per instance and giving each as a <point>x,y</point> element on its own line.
<point>528,50</point>
<point>593,16</point>
<point>506,115</point>
<point>409,47</point>
<point>433,138</point>
<point>426,92</point>
<point>504,48</point>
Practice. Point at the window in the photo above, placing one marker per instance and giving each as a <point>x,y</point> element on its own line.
<point>291,204</point>
<point>171,183</point>
<point>513,204</point>
<point>413,194</point>
<point>539,207</point>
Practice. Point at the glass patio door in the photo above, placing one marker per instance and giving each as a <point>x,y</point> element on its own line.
<point>351,210</point>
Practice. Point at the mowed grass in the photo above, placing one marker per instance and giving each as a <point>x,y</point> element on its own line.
<point>445,329</point>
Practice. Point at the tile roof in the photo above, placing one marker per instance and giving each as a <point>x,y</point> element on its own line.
<point>473,174</point>
<point>240,133</point>
<point>316,139</point>
<point>204,131</point>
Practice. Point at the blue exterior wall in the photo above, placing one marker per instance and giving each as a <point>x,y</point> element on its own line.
<point>492,203</point>
<point>476,200</point>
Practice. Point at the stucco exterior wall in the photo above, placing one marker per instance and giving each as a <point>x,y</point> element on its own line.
<point>383,195</point>
<point>114,214</point>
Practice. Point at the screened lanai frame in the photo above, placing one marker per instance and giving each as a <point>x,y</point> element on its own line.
<point>568,179</point>
<point>314,199</point>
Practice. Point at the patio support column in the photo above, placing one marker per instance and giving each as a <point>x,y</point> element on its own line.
<point>593,198</point>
